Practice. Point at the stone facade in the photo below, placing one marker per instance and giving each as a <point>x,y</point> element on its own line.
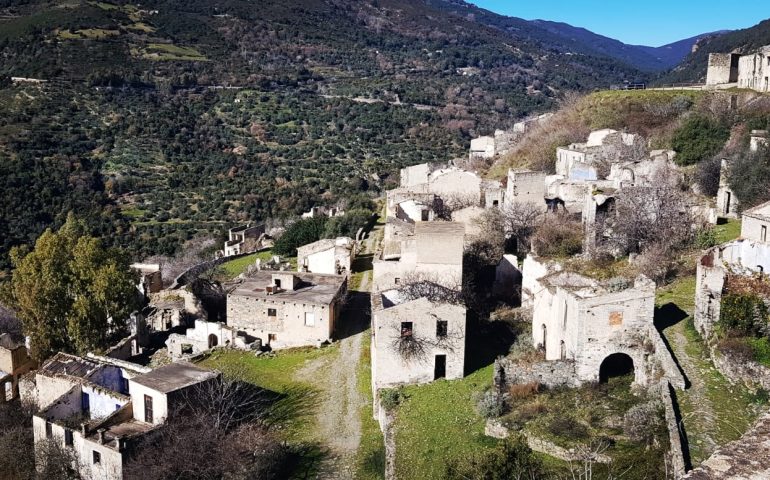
<point>754,70</point>
<point>434,252</point>
<point>207,335</point>
<point>483,147</point>
<point>758,139</point>
<point>327,256</point>
<point>750,71</point>
<point>283,309</point>
<point>243,239</point>
<point>439,326</point>
<point>756,223</point>
<point>739,256</point>
<point>577,319</point>
<point>14,362</point>
<point>526,186</point>
<point>722,68</point>
<point>727,202</point>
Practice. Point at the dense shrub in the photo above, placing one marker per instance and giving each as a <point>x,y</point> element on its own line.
<point>347,225</point>
<point>567,426</point>
<point>749,176</point>
<point>699,138</point>
<point>492,404</point>
<point>390,398</point>
<point>558,236</point>
<point>511,459</point>
<point>707,176</point>
<point>743,314</point>
<point>302,232</point>
<point>642,423</point>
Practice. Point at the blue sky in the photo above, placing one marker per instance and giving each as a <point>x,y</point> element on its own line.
<point>646,22</point>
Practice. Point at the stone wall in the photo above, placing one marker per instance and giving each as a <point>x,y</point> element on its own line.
<point>748,372</point>
<point>675,434</point>
<point>550,374</point>
<point>722,68</point>
<point>194,272</point>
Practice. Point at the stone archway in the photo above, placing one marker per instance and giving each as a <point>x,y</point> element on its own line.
<point>616,365</point>
<point>213,341</point>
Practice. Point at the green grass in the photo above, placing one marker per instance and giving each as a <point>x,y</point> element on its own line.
<point>728,231</point>
<point>294,414</point>
<point>233,268</point>
<point>370,458</point>
<point>438,422</point>
<point>731,408</point>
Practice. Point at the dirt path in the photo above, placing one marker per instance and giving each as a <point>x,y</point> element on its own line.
<point>697,394</point>
<point>339,415</point>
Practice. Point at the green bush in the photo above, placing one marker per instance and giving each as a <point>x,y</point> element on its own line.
<point>390,398</point>
<point>742,314</point>
<point>699,138</point>
<point>302,232</point>
<point>705,238</point>
<point>760,349</point>
<point>347,225</point>
<point>566,426</point>
<point>749,176</point>
<point>511,459</point>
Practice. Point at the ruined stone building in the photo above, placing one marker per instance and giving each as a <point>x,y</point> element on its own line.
<point>204,336</point>
<point>727,203</point>
<point>150,278</point>
<point>582,161</point>
<point>14,362</point>
<point>434,251</point>
<point>416,211</point>
<point>323,211</point>
<point>483,147</point>
<point>285,309</point>
<point>438,327</point>
<point>100,410</point>
<point>757,140</point>
<point>431,185</point>
<point>525,186</point>
<point>596,329</point>
<point>747,255</point>
<point>243,239</point>
<point>752,71</point>
<point>333,256</point>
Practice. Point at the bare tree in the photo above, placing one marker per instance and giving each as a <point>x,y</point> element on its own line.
<point>449,203</point>
<point>10,323</point>
<point>653,215</point>
<point>193,252</point>
<point>217,431</point>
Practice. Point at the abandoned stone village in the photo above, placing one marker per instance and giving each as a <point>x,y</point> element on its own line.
<point>411,285</point>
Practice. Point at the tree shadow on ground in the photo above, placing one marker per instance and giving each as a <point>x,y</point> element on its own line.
<point>363,263</point>
<point>667,316</point>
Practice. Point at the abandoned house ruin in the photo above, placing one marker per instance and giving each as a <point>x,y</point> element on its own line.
<point>14,362</point>
<point>728,70</point>
<point>333,256</point>
<point>285,309</point>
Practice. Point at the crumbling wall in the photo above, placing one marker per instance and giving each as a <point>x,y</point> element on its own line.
<point>722,68</point>
<point>550,374</point>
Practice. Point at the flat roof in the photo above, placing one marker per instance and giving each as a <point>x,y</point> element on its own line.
<point>315,288</point>
<point>173,377</point>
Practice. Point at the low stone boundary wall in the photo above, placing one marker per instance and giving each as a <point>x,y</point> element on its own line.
<point>495,429</point>
<point>671,371</point>
<point>551,374</point>
<point>676,435</point>
<point>194,272</point>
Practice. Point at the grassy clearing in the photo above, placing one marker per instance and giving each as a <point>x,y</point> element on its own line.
<point>438,422</point>
<point>370,458</point>
<point>713,410</point>
<point>294,412</point>
<point>233,268</point>
<point>87,34</point>
<point>142,27</point>
<point>728,231</point>
<point>167,51</point>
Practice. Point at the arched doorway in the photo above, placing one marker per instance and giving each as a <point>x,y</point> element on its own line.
<point>616,365</point>
<point>213,341</point>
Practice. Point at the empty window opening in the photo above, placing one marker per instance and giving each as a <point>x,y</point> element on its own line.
<point>442,328</point>
<point>85,402</point>
<point>96,458</point>
<point>68,437</point>
<point>48,430</point>
<point>406,329</point>
<point>277,282</point>
<point>148,410</point>
<point>763,234</point>
<point>213,341</point>
<point>271,312</point>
